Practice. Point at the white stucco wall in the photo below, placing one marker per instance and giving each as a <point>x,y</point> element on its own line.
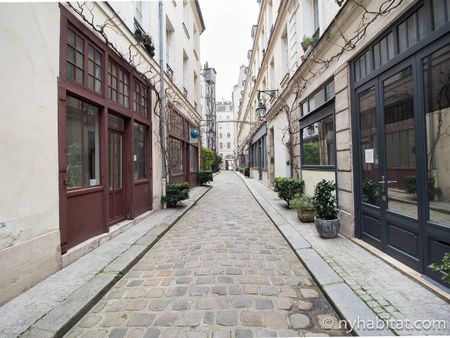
<point>29,216</point>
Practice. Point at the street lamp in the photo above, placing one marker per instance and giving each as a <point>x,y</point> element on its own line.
<point>262,108</point>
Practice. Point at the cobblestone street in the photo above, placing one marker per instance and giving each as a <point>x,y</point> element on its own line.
<point>223,270</point>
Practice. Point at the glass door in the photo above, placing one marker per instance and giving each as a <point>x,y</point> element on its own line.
<point>115,169</point>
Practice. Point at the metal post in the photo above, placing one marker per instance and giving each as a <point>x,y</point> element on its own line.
<point>162,115</point>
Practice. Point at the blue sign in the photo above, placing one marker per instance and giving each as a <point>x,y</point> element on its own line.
<point>194,133</point>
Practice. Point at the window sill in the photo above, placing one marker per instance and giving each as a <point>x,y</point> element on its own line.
<point>84,190</point>
<point>318,167</point>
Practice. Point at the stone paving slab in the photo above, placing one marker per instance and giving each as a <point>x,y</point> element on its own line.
<point>391,296</point>
<point>223,270</point>
<point>321,271</point>
<point>49,306</point>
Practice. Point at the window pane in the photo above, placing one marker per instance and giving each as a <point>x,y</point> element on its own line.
<point>71,37</point>
<point>369,147</point>
<point>193,156</point>
<point>400,142</point>
<point>318,143</point>
<point>176,156</point>
<point>139,151</point>
<point>83,161</point>
<point>438,13</point>
<point>90,145</point>
<point>437,109</point>
<point>412,29</point>
<point>74,143</point>
<point>79,75</point>
<point>422,17</point>
<point>402,37</point>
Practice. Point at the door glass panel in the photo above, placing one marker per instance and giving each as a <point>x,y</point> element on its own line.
<point>436,76</point>
<point>369,147</point>
<point>400,177</point>
<point>115,161</point>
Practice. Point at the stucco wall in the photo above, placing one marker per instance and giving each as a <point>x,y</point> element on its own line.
<point>312,177</point>
<point>29,218</point>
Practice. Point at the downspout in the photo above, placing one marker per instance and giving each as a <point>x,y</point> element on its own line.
<point>162,118</point>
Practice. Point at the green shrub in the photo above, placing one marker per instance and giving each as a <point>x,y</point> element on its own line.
<point>207,156</point>
<point>371,192</point>
<point>444,267</point>
<point>217,160</point>
<point>288,187</point>
<point>246,171</point>
<point>205,177</point>
<point>325,201</point>
<point>175,193</point>
<point>410,184</point>
<point>302,203</point>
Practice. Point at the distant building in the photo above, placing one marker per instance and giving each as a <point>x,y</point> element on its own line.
<point>226,145</point>
<point>237,101</point>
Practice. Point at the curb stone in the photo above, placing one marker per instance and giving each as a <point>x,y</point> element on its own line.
<point>75,303</point>
<point>351,308</point>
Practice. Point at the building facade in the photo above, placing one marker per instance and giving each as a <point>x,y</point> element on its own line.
<point>373,116</point>
<point>87,160</point>
<point>226,146</point>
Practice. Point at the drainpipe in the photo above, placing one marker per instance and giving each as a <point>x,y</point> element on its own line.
<point>162,117</point>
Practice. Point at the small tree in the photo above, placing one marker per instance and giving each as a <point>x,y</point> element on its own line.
<point>207,158</point>
<point>325,200</point>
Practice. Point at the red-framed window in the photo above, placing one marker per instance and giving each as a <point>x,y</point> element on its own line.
<point>118,84</point>
<point>84,61</point>
<point>140,98</point>
<point>95,69</point>
<point>75,56</point>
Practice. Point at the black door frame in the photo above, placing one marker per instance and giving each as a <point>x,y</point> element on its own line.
<point>426,230</point>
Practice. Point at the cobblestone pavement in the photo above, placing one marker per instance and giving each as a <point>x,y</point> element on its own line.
<point>395,298</point>
<point>222,271</point>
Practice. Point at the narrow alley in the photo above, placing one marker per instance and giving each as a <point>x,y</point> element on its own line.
<point>223,270</point>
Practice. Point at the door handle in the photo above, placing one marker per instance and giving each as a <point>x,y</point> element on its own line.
<point>388,182</point>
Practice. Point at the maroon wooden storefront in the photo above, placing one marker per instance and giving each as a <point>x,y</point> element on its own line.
<point>104,131</point>
<point>183,154</point>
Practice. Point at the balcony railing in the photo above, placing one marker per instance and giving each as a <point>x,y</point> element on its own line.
<point>185,91</point>
<point>169,72</point>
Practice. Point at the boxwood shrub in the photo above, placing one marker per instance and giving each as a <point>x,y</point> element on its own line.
<point>205,177</point>
<point>175,193</point>
<point>288,187</point>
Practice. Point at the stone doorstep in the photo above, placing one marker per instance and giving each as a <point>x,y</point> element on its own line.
<point>404,269</point>
<point>75,253</point>
<point>349,306</point>
<point>60,318</point>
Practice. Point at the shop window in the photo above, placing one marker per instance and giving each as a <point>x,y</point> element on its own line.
<point>176,156</point>
<point>117,84</point>
<point>140,151</point>
<point>82,148</point>
<point>193,158</point>
<point>140,98</point>
<point>318,148</point>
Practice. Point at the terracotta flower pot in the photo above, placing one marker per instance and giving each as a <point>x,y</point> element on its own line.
<point>327,228</point>
<point>306,215</point>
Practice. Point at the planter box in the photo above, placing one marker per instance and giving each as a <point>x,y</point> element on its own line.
<point>306,216</point>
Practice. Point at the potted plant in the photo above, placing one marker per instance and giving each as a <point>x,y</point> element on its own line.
<point>326,220</point>
<point>304,206</point>
<point>307,42</point>
<point>443,268</point>
<point>175,193</point>
<point>204,177</point>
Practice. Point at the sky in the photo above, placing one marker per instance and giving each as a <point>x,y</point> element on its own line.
<point>226,40</point>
